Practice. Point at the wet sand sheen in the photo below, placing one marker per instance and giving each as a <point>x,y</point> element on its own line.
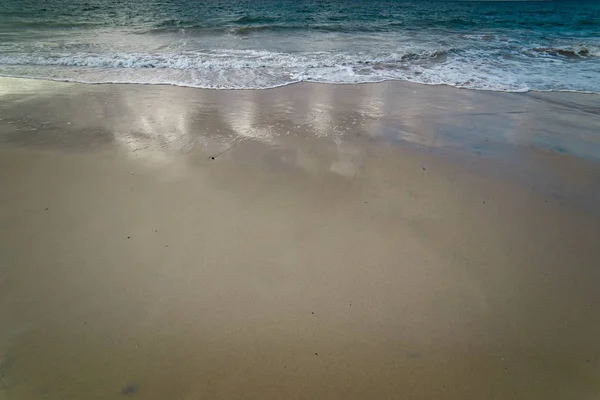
<point>316,264</point>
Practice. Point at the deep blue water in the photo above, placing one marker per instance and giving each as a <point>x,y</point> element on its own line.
<point>513,46</point>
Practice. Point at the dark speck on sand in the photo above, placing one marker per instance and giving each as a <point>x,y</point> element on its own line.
<point>130,388</point>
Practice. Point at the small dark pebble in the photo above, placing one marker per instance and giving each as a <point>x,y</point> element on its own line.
<point>484,202</point>
<point>156,230</point>
<point>130,389</point>
<point>132,174</point>
<point>423,168</point>
<point>314,312</point>
<point>128,237</point>
<point>167,245</point>
<point>316,354</point>
<point>212,158</point>
<point>46,208</point>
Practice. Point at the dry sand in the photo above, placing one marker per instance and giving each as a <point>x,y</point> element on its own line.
<point>384,241</point>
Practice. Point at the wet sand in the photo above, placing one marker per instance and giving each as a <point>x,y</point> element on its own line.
<point>336,242</point>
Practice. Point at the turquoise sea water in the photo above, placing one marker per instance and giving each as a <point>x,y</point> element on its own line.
<point>232,44</point>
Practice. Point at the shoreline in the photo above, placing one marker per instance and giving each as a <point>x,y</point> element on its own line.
<point>310,241</point>
<point>587,103</point>
<point>305,82</point>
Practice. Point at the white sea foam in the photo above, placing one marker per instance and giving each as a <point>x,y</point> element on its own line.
<point>259,69</point>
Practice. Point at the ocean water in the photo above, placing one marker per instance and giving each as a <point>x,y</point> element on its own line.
<point>234,44</point>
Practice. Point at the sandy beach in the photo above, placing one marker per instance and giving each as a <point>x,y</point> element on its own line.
<point>373,241</point>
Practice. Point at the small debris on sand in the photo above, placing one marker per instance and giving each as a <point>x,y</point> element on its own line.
<point>130,388</point>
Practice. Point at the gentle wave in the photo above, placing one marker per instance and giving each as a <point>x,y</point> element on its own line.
<point>214,60</point>
<point>253,69</point>
<point>246,19</point>
<point>246,30</point>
